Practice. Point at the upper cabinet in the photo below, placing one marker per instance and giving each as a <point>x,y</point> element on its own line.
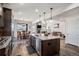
<point>5,22</point>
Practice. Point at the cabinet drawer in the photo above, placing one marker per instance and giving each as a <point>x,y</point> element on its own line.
<point>50,43</point>
<point>51,47</point>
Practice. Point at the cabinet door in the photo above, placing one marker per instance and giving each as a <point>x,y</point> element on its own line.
<point>33,43</point>
<point>38,46</point>
<point>51,47</point>
<point>7,21</point>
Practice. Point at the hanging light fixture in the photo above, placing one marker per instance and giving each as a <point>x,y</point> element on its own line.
<point>51,13</point>
<point>39,17</point>
<point>49,20</point>
<point>44,13</point>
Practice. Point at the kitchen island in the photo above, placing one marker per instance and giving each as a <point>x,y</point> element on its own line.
<point>45,45</point>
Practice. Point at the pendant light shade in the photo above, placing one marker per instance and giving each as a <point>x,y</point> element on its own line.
<point>51,13</point>
<point>44,15</point>
<point>39,17</point>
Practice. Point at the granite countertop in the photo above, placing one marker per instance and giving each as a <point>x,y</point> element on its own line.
<point>46,37</point>
<point>5,41</point>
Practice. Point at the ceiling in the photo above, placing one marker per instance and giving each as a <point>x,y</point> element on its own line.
<point>68,14</point>
<point>26,11</point>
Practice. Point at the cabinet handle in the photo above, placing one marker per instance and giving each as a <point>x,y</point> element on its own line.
<point>49,44</point>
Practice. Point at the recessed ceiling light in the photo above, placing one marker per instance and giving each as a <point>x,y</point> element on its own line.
<point>36,10</point>
<point>21,4</point>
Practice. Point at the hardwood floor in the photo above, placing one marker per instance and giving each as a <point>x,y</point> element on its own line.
<point>23,49</point>
<point>68,51</point>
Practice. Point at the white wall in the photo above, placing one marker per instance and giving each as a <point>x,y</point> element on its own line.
<point>72,31</point>
<point>61,26</point>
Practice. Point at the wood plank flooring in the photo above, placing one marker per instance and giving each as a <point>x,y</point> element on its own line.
<point>23,49</point>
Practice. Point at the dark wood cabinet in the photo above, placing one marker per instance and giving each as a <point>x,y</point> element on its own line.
<point>50,47</point>
<point>5,29</point>
<point>6,17</point>
<point>2,52</point>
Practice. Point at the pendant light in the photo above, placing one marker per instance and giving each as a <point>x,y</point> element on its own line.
<point>39,17</point>
<point>44,13</point>
<point>51,13</point>
<point>39,20</point>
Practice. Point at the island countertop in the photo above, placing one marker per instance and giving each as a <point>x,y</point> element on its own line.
<point>46,37</point>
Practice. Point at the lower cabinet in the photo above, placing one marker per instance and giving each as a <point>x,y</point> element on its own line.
<point>38,46</point>
<point>9,49</point>
<point>33,42</point>
<point>6,51</point>
<point>50,47</point>
<point>2,52</point>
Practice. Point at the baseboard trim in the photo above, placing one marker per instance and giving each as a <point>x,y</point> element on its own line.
<point>74,47</point>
